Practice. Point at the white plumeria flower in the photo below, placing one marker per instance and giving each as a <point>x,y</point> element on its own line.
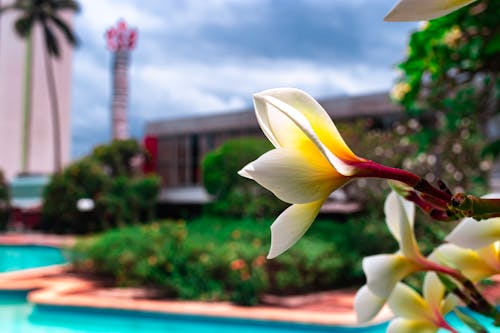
<point>417,10</point>
<point>310,161</point>
<point>367,305</point>
<point>475,265</point>
<point>474,234</point>
<point>384,271</point>
<point>474,248</point>
<point>417,314</point>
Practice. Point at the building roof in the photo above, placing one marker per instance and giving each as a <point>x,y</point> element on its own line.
<point>339,108</point>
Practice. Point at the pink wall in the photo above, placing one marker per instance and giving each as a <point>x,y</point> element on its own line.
<point>12,53</point>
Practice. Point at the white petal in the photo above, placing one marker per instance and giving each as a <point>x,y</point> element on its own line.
<point>383,271</point>
<point>417,10</point>
<point>294,177</point>
<point>407,303</point>
<point>293,119</point>
<point>450,302</point>
<point>433,291</point>
<point>396,209</point>
<point>291,225</point>
<point>467,261</point>
<point>400,325</point>
<point>367,305</point>
<point>400,215</point>
<point>247,171</point>
<point>474,235</point>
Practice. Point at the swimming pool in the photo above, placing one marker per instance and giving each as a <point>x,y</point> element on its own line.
<point>17,257</point>
<point>16,315</point>
<point>19,316</point>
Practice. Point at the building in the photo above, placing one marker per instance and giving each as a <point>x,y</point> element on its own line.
<point>182,143</point>
<point>12,62</point>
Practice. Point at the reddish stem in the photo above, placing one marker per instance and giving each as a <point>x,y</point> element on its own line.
<point>444,324</point>
<point>433,266</point>
<point>372,169</point>
<point>437,213</point>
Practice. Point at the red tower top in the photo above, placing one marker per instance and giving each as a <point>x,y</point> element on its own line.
<point>121,37</point>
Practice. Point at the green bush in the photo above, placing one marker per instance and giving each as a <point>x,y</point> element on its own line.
<point>450,79</point>
<point>4,202</point>
<point>234,195</point>
<point>183,260</point>
<point>82,179</point>
<point>118,156</point>
<point>121,195</point>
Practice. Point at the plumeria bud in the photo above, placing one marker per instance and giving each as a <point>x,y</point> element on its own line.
<point>400,188</point>
<point>418,10</point>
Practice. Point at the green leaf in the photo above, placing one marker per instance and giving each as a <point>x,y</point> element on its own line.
<point>492,149</point>
<point>493,46</point>
<point>471,322</point>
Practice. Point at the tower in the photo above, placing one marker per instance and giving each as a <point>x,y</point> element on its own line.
<point>120,40</point>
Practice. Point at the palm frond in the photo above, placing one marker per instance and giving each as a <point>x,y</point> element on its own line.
<point>66,4</point>
<point>65,28</point>
<point>51,42</point>
<point>23,25</point>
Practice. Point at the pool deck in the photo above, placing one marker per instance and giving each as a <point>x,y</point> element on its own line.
<point>57,285</point>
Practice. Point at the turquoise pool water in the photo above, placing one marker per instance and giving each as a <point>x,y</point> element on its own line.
<point>17,257</point>
<point>18,316</point>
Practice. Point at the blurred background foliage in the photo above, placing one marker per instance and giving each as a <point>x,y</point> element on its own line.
<point>234,195</point>
<point>112,178</point>
<point>217,258</point>
<point>450,83</point>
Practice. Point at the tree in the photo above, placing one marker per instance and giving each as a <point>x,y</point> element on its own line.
<point>450,85</point>
<point>46,14</point>
<point>450,79</point>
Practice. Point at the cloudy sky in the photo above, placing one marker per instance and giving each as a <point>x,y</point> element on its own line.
<point>208,56</point>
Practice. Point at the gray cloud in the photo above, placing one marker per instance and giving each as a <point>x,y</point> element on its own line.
<point>211,56</point>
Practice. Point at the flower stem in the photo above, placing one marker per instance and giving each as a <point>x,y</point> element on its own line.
<point>471,206</point>
<point>372,169</point>
<point>434,211</point>
<point>468,293</point>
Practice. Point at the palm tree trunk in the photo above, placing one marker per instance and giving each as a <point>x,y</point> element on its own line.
<point>28,90</point>
<point>120,95</point>
<point>56,125</point>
